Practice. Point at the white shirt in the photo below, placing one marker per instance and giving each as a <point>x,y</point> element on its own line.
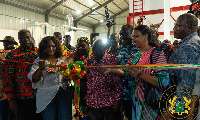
<point>48,86</point>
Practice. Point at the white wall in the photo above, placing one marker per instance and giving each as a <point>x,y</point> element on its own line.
<point>157,18</point>
<point>150,19</point>
<point>13,19</point>
<point>16,18</point>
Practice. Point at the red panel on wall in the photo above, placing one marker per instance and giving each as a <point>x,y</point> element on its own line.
<point>162,33</point>
<point>159,11</point>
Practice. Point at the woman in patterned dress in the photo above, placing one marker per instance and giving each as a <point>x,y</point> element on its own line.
<point>142,38</point>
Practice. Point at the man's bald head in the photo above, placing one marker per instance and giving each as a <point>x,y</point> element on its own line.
<point>189,19</point>
<point>98,50</point>
<point>185,25</point>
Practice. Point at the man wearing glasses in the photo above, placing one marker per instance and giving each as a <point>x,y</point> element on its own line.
<point>188,52</point>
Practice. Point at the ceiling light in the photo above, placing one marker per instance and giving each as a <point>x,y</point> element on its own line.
<point>78,11</point>
<point>91,2</point>
<point>101,20</point>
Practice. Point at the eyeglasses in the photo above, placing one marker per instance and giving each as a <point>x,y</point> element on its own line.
<point>179,25</point>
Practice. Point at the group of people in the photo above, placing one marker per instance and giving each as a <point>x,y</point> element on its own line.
<point>8,44</point>
<point>22,95</point>
<point>32,86</point>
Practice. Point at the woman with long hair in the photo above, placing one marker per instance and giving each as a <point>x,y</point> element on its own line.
<point>159,78</point>
<point>51,98</point>
<point>144,79</point>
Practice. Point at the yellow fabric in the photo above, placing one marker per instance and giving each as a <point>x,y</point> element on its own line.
<point>65,51</point>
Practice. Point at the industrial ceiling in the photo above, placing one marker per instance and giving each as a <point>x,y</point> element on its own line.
<point>88,12</point>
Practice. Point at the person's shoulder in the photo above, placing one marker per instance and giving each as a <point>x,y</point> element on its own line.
<point>2,50</point>
<point>121,47</point>
<point>135,54</point>
<point>35,49</point>
<point>192,44</point>
<point>16,50</point>
<point>108,55</point>
<point>34,52</point>
<point>62,45</point>
<point>90,58</point>
<point>63,58</point>
<point>37,60</point>
<point>132,46</point>
<point>73,48</point>
<point>72,55</point>
<point>110,59</point>
<point>195,38</point>
<point>189,50</point>
<point>13,52</point>
<point>158,50</point>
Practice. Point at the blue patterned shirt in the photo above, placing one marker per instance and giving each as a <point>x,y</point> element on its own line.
<point>187,53</point>
<point>123,55</point>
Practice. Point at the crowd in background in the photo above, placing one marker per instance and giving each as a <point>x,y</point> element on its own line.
<point>30,89</point>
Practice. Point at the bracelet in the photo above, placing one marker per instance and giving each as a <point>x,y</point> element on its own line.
<point>139,74</point>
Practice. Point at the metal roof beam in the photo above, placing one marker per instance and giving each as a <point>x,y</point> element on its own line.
<point>84,15</point>
<point>93,18</point>
<point>126,2</point>
<point>36,11</point>
<point>54,6</point>
<point>100,4</point>
<point>116,5</point>
<point>122,11</point>
<point>18,5</point>
<point>64,5</point>
<point>88,7</point>
<point>47,12</point>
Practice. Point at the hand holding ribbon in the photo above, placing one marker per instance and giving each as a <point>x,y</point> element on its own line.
<point>41,65</point>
